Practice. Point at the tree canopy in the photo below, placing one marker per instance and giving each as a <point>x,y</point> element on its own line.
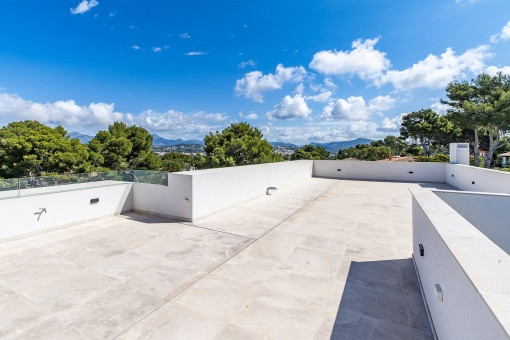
<point>482,104</point>
<point>428,129</point>
<point>238,144</point>
<point>123,147</point>
<point>367,152</point>
<point>31,148</point>
<point>310,152</point>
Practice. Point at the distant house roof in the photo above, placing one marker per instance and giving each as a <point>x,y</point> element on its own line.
<point>506,154</point>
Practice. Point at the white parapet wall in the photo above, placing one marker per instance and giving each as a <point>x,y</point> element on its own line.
<point>191,195</point>
<point>472,178</point>
<point>172,201</point>
<point>22,216</point>
<point>381,171</point>
<point>218,189</point>
<point>465,277</point>
<point>489,213</point>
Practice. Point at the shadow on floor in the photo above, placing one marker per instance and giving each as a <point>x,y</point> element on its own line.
<point>382,300</point>
<point>146,218</point>
<point>440,186</point>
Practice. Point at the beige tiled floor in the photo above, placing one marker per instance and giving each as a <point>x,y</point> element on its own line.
<point>319,259</point>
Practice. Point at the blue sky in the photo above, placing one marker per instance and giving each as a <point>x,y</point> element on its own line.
<point>301,71</point>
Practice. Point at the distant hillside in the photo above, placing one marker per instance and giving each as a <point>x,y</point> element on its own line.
<point>284,144</point>
<point>333,147</point>
<point>84,139</point>
<point>181,148</point>
<point>158,140</point>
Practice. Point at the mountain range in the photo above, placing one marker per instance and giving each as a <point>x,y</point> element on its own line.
<point>332,147</point>
<point>84,139</point>
<point>158,140</point>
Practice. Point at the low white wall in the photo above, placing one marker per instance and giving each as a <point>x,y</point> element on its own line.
<point>218,189</point>
<point>487,212</point>
<point>485,180</point>
<point>384,171</point>
<point>173,200</point>
<point>191,195</point>
<point>63,208</point>
<point>465,264</point>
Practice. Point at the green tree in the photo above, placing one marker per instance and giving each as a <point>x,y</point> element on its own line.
<point>496,104</point>
<point>429,129</point>
<point>481,105</point>
<point>123,147</point>
<point>367,152</point>
<point>238,144</point>
<point>462,96</point>
<point>175,162</point>
<point>397,145</point>
<point>31,148</point>
<point>412,150</point>
<point>310,152</point>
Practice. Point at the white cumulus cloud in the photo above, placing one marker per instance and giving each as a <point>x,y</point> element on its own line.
<point>363,60</point>
<point>493,70</point>
<point>381,103</point>
<point>391,124</point>
<point>321,97</point>
<point>503,35</point>
<point>437,71</point>
<point>96,116</point>
<point>84,6</point>
<point>290,108</point>
<point>439,108</point>
<point>156,49</point>
<point>178,123</point>
<point>135,47</point>
<point>314,132</point>
<point>65,112</point>
<point>254,84</point>
<point>185,36</point>
<point>251,115</point>
<point>355,108</point>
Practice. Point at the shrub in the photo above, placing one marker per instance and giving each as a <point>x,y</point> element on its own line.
<point>437,158</point>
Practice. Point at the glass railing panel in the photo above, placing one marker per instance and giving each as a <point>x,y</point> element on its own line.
<point>36,185</point>
<point>8,188</point>
<point>149,177</point>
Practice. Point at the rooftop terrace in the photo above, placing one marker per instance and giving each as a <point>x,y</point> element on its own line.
<point>342,250</point>
<point>318,259</point>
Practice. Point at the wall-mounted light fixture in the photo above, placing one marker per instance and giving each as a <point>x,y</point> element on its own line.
<point>269,190</point>
<point>422,251</point>
<point>439,292</point>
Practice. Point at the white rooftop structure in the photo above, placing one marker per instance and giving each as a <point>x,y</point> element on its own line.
<point>341,250</point>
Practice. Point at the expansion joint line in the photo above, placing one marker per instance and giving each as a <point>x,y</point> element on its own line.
<point>219,265</point>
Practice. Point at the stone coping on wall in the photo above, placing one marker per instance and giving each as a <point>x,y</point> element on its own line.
<point>9,194</point>
<point>486,265</point>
